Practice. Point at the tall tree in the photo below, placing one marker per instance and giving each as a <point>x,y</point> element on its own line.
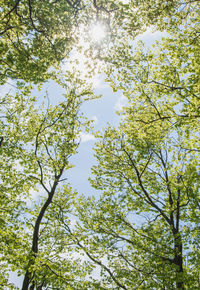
<point>143,230</point>
<point>36,146</point>
<point>139,231</point>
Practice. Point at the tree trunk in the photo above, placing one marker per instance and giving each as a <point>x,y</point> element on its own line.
<point>26,281</point>
<point>27,277</point>
<point>178,260</point>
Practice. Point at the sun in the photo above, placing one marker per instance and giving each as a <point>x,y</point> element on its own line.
<point>80,61</point>
<point>97,32</point>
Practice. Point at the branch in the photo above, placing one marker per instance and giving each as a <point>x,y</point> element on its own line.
<point>102,8</point>
<point>14,7</point>
<point>92,258</point>
<point>30,15</point>
<point>145,191</point>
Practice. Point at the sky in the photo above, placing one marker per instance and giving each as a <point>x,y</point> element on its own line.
<point>102,111</point>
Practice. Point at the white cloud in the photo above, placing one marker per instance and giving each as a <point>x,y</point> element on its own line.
<point>85,137</point>
<point>95,119</point>
<point>121,102</point>
<point>34,195</point>
<point>125,1</point>
<point>149,36</point>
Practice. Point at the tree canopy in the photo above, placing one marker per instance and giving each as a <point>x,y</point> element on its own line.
<point>142,231</point>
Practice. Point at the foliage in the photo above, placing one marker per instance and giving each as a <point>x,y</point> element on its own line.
<point>36,36</point>
<point>143,230</point>
<point>31,41</point>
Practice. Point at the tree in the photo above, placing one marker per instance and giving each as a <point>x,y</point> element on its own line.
<point>147,168</point>
<point>52,151</point>
<point>36,148</point>
<point>143,230</point>
<point>144,221</point>
<point>36,145</point>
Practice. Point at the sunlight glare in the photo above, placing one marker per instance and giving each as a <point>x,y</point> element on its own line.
<point>98,32</point>
<point>80,62</point>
